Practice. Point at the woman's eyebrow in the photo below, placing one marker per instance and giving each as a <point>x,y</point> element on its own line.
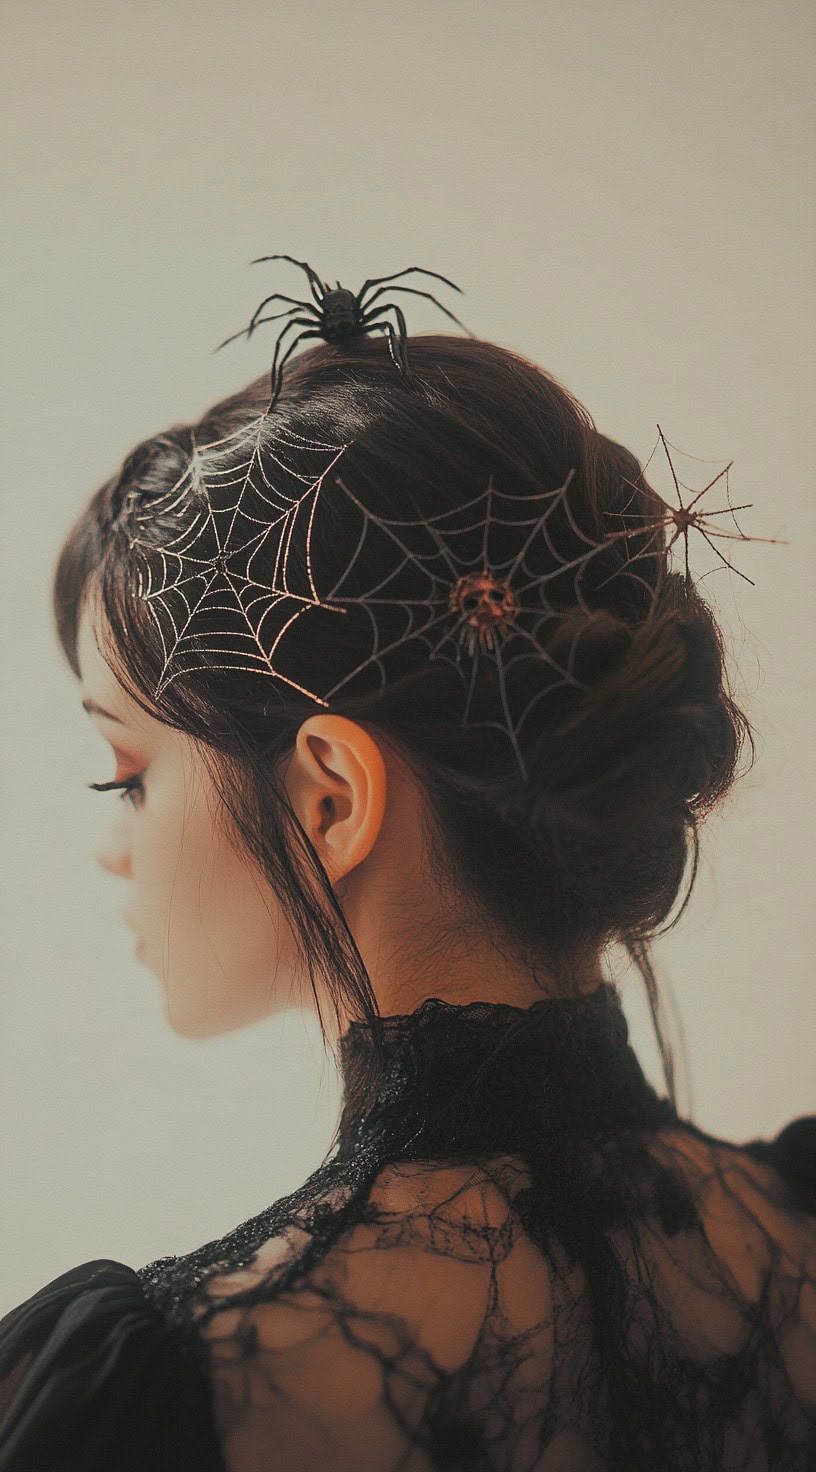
<point>97,710</point>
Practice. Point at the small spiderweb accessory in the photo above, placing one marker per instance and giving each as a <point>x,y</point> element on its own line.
<point>679,519</point>
<point>337,315</point>
<point>435,588</point>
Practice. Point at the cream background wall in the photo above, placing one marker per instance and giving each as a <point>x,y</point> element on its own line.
<point>622,191</point>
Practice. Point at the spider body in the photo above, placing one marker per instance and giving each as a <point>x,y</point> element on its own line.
<point>336,315</point>
<point>342,316</point>
<point>485,604</point>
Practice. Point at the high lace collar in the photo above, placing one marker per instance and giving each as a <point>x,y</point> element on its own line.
<point>458,1079</point>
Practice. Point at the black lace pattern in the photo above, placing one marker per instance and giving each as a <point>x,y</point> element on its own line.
<point>505,1156</point>
<point>516,1258</point>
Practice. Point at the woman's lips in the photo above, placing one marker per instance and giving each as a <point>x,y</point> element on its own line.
<point>139,943</point>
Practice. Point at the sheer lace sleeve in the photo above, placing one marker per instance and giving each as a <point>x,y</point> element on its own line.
<point>422,1338</point>
<point>658,1310</point>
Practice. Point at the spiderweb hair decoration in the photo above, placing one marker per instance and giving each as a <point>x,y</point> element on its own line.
<point>437,581</point>
<point>336,315</point>
<point>681,518</point>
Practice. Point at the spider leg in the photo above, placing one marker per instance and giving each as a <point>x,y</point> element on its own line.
<point>377,280</point>
<point>473,673</point>
<point>275,316</point>
<point>675,534</point>
<point>738,536</point>
<point>401,341</point>
<point>415,292</point>
<point>641,514</point>
<point>248,331</point>
<point>686,554</point>
<point>276,373</point>
<point>725,559</point>
<point>400,363</point>
<point>671,466</point>
<point>721,510</point>
<point>293,322</point>
<point>276,296</point>
<point>314,280</point>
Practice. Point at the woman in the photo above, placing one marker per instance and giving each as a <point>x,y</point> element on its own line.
<point>412,722</point>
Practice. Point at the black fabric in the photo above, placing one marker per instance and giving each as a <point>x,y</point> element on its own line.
<point>107,1382</point>
<point>517,1257</point>
<point>793,1154</point>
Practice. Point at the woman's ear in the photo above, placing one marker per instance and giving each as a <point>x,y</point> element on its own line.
<point>337,782</point>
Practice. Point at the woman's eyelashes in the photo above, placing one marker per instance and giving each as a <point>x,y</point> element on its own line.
<point>130,787</point>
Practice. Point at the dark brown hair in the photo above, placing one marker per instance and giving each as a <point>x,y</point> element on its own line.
<point>593,849</point>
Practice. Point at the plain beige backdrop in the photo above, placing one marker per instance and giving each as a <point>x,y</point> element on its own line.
<point>622,189</point>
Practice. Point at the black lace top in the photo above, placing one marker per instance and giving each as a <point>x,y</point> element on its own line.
<point>516,1257</point>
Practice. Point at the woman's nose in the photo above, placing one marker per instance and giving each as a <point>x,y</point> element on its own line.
<point>114,855</point>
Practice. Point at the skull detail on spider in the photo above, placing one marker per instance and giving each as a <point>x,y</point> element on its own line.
<point>485,605</point>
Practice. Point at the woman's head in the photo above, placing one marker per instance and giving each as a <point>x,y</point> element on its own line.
<point>621,762</point>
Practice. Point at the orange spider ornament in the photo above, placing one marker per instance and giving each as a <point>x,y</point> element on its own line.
<point>484,604</point>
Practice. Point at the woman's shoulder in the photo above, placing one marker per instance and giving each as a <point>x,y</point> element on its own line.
<point>792,1154</point>
<point>88,1367</point>
<point>783,1164</point>
<point>83,1295</point>
<point>359,1344</point>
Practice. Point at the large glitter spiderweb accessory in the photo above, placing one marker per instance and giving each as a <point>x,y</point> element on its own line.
<point>249,495</point>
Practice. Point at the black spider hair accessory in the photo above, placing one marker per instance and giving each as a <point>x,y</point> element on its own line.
<point>336,315</point>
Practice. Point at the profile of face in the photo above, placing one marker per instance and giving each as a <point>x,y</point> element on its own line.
<point>208,921</point>
<point>205,916</point>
